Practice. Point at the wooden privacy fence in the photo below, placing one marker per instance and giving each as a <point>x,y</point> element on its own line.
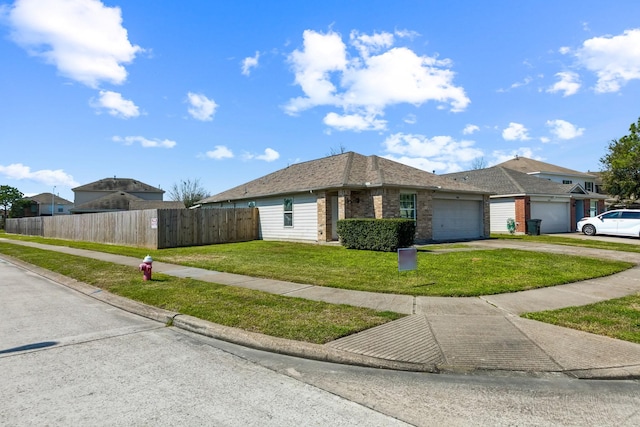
<point>149,228</point>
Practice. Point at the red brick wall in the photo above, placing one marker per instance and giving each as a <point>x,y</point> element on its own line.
<point>523,213</point>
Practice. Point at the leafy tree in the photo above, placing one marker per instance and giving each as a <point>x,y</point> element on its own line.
<point>8,196</point>
<point>621,175</point>
<point>18,207</point>
<point>188,192</point>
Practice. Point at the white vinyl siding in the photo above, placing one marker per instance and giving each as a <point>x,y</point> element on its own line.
<point>457,219</point>
<point>305,222</point>
<point>501,210</point>
<point>555,216</point>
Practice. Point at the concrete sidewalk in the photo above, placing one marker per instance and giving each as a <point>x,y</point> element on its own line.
<point>439,334</point>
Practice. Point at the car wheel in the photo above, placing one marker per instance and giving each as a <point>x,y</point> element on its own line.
<point>589,230</point>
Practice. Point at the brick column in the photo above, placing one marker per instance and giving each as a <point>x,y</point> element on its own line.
<point>523,213</point>
<point>324,217</point>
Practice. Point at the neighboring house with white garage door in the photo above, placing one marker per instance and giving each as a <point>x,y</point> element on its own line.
<point>304,201</point>
<point>521,197</point>
<point>561,175</point>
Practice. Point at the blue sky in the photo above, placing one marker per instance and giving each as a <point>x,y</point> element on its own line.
<point>228,91</point>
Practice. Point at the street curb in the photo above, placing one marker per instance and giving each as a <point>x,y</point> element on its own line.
<point>224,333</point>
<point>298,348</point>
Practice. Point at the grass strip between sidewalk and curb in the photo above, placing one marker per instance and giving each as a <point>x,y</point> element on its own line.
<point>279,316</point>
<point>617,318</point>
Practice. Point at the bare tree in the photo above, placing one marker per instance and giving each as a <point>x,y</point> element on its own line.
<point>340,150</point>
<point>188,192</point>
<point>479,163</point>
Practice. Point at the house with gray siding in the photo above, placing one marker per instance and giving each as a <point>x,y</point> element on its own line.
<point>47,204</point>
<point>304,201</point>
<point>118,194</point>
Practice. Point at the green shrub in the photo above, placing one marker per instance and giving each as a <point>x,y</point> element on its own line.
<point>385,235</point>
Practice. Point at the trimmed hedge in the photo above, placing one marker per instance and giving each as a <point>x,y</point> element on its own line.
<point>385,235</point>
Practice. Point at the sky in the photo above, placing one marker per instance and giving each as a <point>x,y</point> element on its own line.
<point>224,92</point>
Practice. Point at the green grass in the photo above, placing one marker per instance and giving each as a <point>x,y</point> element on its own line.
<point>451,273</point>
<point>279,316</point>
<point>571,241</point>
<point>617,318</point>
<point>443,270</point>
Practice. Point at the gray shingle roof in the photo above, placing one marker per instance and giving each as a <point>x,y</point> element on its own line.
<point>44,198</point>
<point>115,201</point>
<point>118,184</point>
<point>526,165</point>
<point>348,170</point>
<point>505,181</point>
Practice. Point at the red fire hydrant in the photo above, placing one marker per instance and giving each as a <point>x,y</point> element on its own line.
<point>145,267</point>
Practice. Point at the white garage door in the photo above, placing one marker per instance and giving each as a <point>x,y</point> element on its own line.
<point>501,211</point>
<point>457,219</point>
<point>554,216</point>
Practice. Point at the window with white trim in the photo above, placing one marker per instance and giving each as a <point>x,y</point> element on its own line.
<point>288,212</point>
<point>408,206</point>
<point>588,186</point>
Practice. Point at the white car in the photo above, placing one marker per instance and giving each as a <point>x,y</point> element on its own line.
<point>619,222</point>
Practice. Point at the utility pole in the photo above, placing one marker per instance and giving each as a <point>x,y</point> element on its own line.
<point>53,196</point>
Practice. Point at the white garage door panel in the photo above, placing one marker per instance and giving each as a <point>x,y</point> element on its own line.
<point>554,216</point>
<point>457,219</point>
<point>501,211</point>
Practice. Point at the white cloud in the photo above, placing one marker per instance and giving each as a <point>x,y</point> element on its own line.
<point>49,177</point>
<point>410,119</point>
<point>569,83</point>
<point>515,131</point>
<point>219,152</point>
<point>249,63</point>
<point>354,122</point>
<point>564,50</point>
<point>83,39</point>
<point>615,60</point>
<point>500,156</point>
<point>144,142</point>
<point>368,44</point>
<point>425,164</point>
<point>564,130</point>
<point>363,82</point>
<point>441,153</point>
<point>470,129</point>
<point>516,85</point>
<point>116,105</point>
<point>202,108</point>
<point>269,155</point>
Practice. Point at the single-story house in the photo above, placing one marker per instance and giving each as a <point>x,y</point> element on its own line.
<point>522,197</point>
<point>119,194</point>
<point>305,200</point>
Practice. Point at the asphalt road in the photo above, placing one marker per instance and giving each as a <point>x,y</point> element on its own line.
<point>67,359</point>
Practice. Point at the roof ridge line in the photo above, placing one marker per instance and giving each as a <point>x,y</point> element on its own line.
<point>347,168</point>
<point>374,160</point>
<point>518,186</point>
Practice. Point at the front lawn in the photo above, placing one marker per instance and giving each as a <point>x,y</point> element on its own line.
<point>617,318</point>
<point>459,272</point>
